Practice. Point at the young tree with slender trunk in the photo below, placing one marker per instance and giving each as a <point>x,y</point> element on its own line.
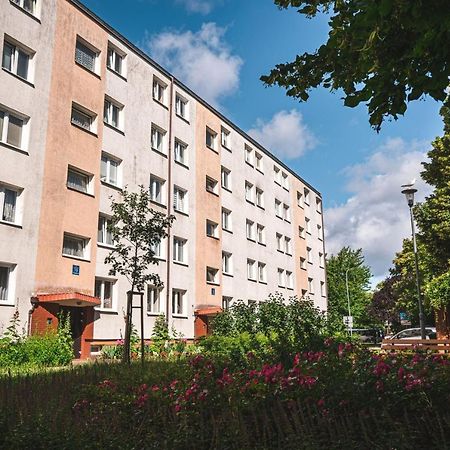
<point>135,228</point>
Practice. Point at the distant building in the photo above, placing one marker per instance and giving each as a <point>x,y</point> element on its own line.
<point>83,112</point>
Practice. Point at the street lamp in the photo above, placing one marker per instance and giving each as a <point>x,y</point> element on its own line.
<point>348,303</point>
<point>409,192</point>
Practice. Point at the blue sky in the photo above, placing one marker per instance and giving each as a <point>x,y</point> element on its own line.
<point>234,42</point>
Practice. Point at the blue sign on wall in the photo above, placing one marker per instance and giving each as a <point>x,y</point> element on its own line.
<point>75,270</point>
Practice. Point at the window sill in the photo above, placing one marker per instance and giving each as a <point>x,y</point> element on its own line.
<point>253,280</point>
<point>213,283</point>
<point>116,73</point>
<point>112,127</point>
<point>309,262</point>
<point>280,251</point>
<point>181,263</point>
<point>110,185</point>
<point>212,149</point>
<point>302,237</point>
<point>251,239</point>
<point>288,254</point>
<point>290,288</point>
<point>107,311</point>
<point>250,201</point>
<point>227,189</point>
<point>7,303</point>
<point>159,152</point>
<point>13,147</point>
<point>25,11</point>
<point>24,80</point>
<point>262,243</point>
<point>227,230</point>
<point>300,206</point>
<point>181,212</point>
<point>303,268</point>
<point>282,287</point>
<point>213,193</point>
<point>160,258</point>
<point>308,232</point>
<point>179,316</point>
<point>161,205</point>
<point>88,70</point>
<point>182,164</point>
<point>286,189</point>
<point>213,237</point>
<point>77,258</point>
<point>183,118</point>
<point>286,220</point>
<point>11,224</point>
<point>106,246</point>
<point>262,282</point>
<point>81,192</point>
<point>279,217</point>
<point>226,148</point>
<point>154,314</point>
<point>259,170</point>
<point>261,207</point>
<point>160,103</point>
<point>227,274</point>
<point>84,129</point>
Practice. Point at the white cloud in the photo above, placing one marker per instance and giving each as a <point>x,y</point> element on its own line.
<point>285,134</point>
<point>375,217</point>
<point>197,6</point>
<point>202,60</point>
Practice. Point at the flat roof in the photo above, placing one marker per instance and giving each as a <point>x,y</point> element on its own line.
<point>148,59</point>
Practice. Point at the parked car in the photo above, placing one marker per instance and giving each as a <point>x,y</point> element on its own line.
<point>369,335</point>
<point>414,333</point>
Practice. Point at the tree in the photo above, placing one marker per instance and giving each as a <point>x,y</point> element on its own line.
<point>384,305</point>
<point>135,228</point>
<point>352,262</point>
<point>384,53</point>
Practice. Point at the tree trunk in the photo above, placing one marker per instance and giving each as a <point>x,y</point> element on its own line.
<point>128,323</point>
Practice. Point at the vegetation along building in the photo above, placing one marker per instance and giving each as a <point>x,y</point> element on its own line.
<point>83,112</point>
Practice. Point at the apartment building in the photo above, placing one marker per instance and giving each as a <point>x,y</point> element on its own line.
<point>83,113</point>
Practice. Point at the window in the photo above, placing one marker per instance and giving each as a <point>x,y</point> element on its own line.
<point>311,286</point>
<point>226,302</point>
<point>250,227</point>
<point>318,205</point>
<point>211,185</point>
<point>259,162</point>
<point>259,198</point>
<point>6,283</point>
<point>115,60</point>
<point>78,180</point>
<point>300,199</point>
<point>322,289</point>
<point>277,175</point>
<point>278,208</point>
<point>287,245</point>
<point>279,238</point>
<point>212,275</point>
<point>281,282</point>
<point>179,302</point>
<point>109,170</point>
<point>104,235</point>
<point>85,55</point>
<point>249,192</point>
<point>248,154</point>
<point>75,246</point>
<point>112,113</point>
<point>159,90</point>
<point>225,138</point>
<point>157,249</point>
<point>158,139</point>
<point>226,219</point>
<point>11,128</point>
<point>302,263</point>
<point>154,303</point>
<point>306,195</point>
<point>286,213</point>
<point>180,199</point>
<point>321,260</point>
<point>304,292</point>
<point>260,234</point>
<point>180,152</point>
<point>156,189</point>
<point>210,139</point>
<point>180,250</point>
<point>289,280</point>
<point>309,254</point>
<point>319,232</point>
<point>9,197</point>
<point>285,181</point>
<point>301,232</point>
<point>211,229</point>
<point>104,291</point>
<point>28,5</point>
<point>181,106</point>
<point>226,178</point>
<point>308,225</point>
<point>262,277</point>
<point>82,118</point>
<point>16,60</point>
<point>227,267</point>
<point>251,275</point>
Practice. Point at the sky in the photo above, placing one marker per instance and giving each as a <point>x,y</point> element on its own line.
<point>220,48</point>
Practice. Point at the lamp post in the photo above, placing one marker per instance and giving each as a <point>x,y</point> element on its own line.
<point>409,192</point>
<point>348,301</point>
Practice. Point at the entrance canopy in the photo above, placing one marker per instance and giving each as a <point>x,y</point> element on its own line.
<point>207,310</point>
<point>69,299</point>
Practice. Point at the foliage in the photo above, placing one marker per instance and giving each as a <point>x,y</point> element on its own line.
<point>383,307</point>
<point>382,53</point>
<point>351,262</point>
<point>438,291</point>
<point>160,334</point>
<point>135,228</point>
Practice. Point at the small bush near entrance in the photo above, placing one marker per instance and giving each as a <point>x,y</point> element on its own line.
<point>52,349</point>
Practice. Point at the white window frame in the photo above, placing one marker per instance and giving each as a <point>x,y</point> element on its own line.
<point>213,135</point>
<point>85,241</point>
<point>211,185</point>
<point>306,196</point>
<point>226,302</point>
<point>249,155</point>
<point>182,295</point>
<point>158,139</point>
<point>249,192</point>
<point>285,181</point>
<point>318,205</point>
<point>289,280</point>
<point>180,200</point>
<point>227,263</point>
<point>180,250</point>
<point>180,150</point>
<point>302,263</point>
<point>181,106</point>
<point>113,284</point>
<point>96,53</point>
<point>214,226</point>
<point>10,115</point>
<point>226,178</point>
<point>299,199</point>
<point>154,181</point>
<point>92,117</point>
<point>281,278</point>
<point>321,260</point>
<point>226,219</point>
<point>106,164</point>
<point>9,295</point>
<point>110,106</point>
<point>287,245</point>
<point>259,164</point>
<point>225,138</point>
<point>322,289</point>
<point>158,249</point>
<point>251,275</point>
<point>17,212</point>
<point>113,55</point>
<point>259,197</point>
<point>159,91</point>
<point>260,234</point>
<point>34,11</point>
<point>308,225</point>
<point>279,239</point>
<point>301,232</point>
<point>102,229</point>
<point>250,230</point>
<point>278,209</point>
<point>286,212</point>
<point>18,50</point>
<point>212,275</point>
<point>311,285</point>
<point>154,297</point>
<point>262,272</point>
<point>319,232</point>
<point>277,175</point>
<point>309,257</point>
<point>88,176</point>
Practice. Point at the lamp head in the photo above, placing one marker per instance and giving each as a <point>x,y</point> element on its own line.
<point>409,194</point>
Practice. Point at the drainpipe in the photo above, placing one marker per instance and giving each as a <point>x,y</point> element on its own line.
<point>34,302</point>
<point>169,206</point>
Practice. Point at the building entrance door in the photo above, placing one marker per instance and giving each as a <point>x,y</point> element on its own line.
<point>77,323</point>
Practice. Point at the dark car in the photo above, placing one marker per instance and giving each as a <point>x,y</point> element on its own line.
<point>369,335</point>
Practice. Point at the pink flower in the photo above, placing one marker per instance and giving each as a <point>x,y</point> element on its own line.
<point>155,388</point>
<point>177,408</point>
<point>321,403</point>
<point>401,373</point>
